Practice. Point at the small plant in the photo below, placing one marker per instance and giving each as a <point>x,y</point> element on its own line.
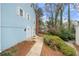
<point>9,53</point>
<point>6,54</point>
<point>13,50</point>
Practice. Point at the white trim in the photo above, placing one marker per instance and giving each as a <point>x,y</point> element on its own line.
<point>18,11</point>
<point>26,16</point>
<point>0,51</point>
<point>23,14</point>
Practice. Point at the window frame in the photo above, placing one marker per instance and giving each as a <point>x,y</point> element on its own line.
<point>18,11</point>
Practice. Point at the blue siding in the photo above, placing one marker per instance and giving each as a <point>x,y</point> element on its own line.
<point>12,25</point>
<point>0,27</point>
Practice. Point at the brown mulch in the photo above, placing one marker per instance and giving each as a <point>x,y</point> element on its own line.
<point>21,49</point>
<point>47,51</point>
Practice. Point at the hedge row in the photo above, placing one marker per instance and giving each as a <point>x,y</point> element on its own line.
<point>60,44</point>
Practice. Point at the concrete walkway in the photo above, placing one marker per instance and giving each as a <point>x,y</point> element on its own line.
<point>77,47</point>
<point>36,49</point>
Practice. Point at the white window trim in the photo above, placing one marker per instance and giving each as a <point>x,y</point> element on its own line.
<point>27,16</point>
<point>0,51</point>
<point>18,11</point>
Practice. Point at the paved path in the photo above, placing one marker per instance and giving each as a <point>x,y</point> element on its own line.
<point>77,47</point>
<point>37,47</point>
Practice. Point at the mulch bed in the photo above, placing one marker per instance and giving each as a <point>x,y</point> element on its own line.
<point>21,49</point>
<point>47,51</point>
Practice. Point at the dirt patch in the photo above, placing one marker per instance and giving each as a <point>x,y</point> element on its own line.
<point>21,49</point>
<point>47,51</point>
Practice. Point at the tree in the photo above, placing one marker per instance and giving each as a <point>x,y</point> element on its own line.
<point>76,6</point>
<point>41,24</point>
<point>56,14</point>
<point>61,16</point>
<point>69,16</point>
<point>49,8</point>
<point>54,10</point>
<point>39,13</point>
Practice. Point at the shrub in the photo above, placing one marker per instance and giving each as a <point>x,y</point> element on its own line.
<point>60,44</point>
<point>66,35</point>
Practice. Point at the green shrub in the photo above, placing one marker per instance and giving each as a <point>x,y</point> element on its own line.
<point>60,44</point>
<point>66,35</point>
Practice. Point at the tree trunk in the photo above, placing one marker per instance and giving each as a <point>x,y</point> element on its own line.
<point>61,14</point>
<point>37,24</point>
<point>69,17</point>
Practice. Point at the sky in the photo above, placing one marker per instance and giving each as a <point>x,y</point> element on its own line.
<point>74,14</point>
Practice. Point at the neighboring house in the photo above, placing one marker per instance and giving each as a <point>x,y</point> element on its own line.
<point>65,24</point>
<point>17,23</point>
<point>77,34</point>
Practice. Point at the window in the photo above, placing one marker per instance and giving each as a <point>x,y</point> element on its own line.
<point>21,12</point>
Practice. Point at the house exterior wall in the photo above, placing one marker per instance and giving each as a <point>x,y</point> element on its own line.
<point>15,28</point>
<point>0,28</point>
<point>77,35</point>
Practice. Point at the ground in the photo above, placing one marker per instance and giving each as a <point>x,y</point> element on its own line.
<point>21,49</point>
<point>35,47</point>
<point>47,51</point>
